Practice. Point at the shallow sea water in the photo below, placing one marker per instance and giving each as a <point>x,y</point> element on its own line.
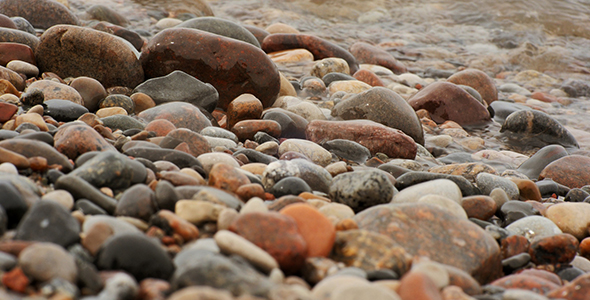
<point>549,36</point>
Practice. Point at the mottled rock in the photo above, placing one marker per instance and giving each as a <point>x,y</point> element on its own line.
<point>534,226</point>
<point>536,128</point>
<point>329,65</point>
<point>417,285</point>
<point>362,189</point>
<point>556,249</point>
<point>313,151</point>
<point>183,49</point>
<point>72,51</point>
<point>182,115</point>
<point>479,207</point>
<point>478,80</point>
<point>56,90</point>
<point>48,221</point>
<point>315,176</point>
<point>411,178</point>
<point>487,182</point>
<point>578,289</point>
<point>221,27</point>
<point>369,54</point>
<point>40,13</point>
<point>227,177</point>
<point>138,202</point>
<point>568,171</point>
<point>532,283</point>
<point>77,138</point>
<point>468,170</point>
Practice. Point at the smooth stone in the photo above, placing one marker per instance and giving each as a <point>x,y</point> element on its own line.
<point>403,222</point>
<point>567,171</point>
<point>503,109</point>
<point>442,99</point>
<point>445,203</point>
<point>48,221</point>
<point>76,139</point>
<point>246,129</point>
<point>374,136</point>
<point>116,225</point>
<point>231,243</point>
<point>317,230</point>
<point>315,176</point>
<point>64,110</point>
<point>13,204</point>
<point>244,107</point>
<point>537,128</point>
<point>182,115</point>
<point>179,158</point>
<point>487,182</point>
<point>515,209</point>
<point>17,160</point>
<point>479,207</point>
<point>534,226</point>
<point>327,287</point>
<point>369,54</point>
<point>61,197</point>
<point>110,112</point>
<point>40,13</point>
<point>136,254</point>
<point>255,156</point>
<point>575,87</point>
<point>56,90</point>
<point>26,68</point>
<point>478,80</point>
<point>123,122</point>
<point>182,87</point>
<point>362,189</point>
<point>280,237</point>
<point>34,120</point>
<point>348,150</point>
<point>329,65</point>
<point>289,186</point>
<point>138,202</point>
<point>316,153</point>
<point>208,160</point>
<point>348,86</point>
<point>10,51</point>
<point>200,293</point>
<point>417,285</point>
<point>577,289</point>
<point>81,189</point>
<point>182,49</point>
<point>130,36</point>
<point>221,27</point>
<point>32,148</point>
<point>7,110</point>
<point>104,13</point>
<point>411,178</point>
<point>368,77</point>
<point>556,249</point>
<point>195,142</point>
<point>382,106</point>
<point>47,261</point>
<point>320,48</point>
<point>572,218</point>
<point>142,102</point>
<point>198,212</point>
<point>442,187</point>
<point>227,177</point>
<point>12,77</point>
<point>364,292</point>
<point>210,194</point>
<point>161,127</point>
<point>307,110</point>
<point>467,170</point>
<point>292,125</point>
<point>91,90</point>
<point>56,53</point>
<point>217,132</point>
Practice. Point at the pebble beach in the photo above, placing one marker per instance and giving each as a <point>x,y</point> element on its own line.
<point>294,150</point>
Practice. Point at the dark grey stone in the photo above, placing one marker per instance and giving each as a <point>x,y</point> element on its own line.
<point>48,221</point>
<point>63,110</point>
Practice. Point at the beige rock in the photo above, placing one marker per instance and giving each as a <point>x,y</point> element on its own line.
<point>571,217</point>
<point>446,203</point>
<point>348,86</point>
<point>33,118</point>
<point>110,111</point>
<point>231,243</point>
<point>313,151</point>
<point>196,211</point>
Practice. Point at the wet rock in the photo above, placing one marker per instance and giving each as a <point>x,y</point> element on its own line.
<point>221,27</point>
<point>427,230</point>
<point>135,254</point>
<point>369,54</point>
<point>567,171</point>
<point>556,249</point>
<point>32,148</point>
<point>75,139</point>
<point>48,221</point>
<point>478,80</point>
<point>179,158</point>
<point>17,51</point>
<point>103,13</point>
<point>315,176</point>
<point>572,218</point>
<point>534,226</point>
<point>72,51</point>
<point>376,137</point>
<point>182,49</point>
<point>537,129</point>
<point>446,101</point>
<point>179,86</point>
<point>40,13</point>
<point>362,189</point>
<point>56,90</point>
<point>244,107</point>
<point>195,142</point>
<point>382,106</point>
<point>182,115</point>
<point>280,237</point>
<point>138,202</point>
<point>64,110</point>
<point>246,129</point>
<point>320,48</point>
<point>46,261</point>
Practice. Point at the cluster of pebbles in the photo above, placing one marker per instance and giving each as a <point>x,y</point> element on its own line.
<point>189,164</point>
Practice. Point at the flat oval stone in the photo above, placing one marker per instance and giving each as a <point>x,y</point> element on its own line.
<point>478,80</point>
<point>447,239</point>
<point>362,189</point>
<point>64,110</point>
<point>72,51</point>
<point>382,106</point>
<point>136,254</point>
<point>179,158</point>
<point>182,115</point>
<point>179,86</point>
<point>32,148</point>
<point>479,207</point>
<point>568,171</point>
<point>75,139</point>
<point>320,48</point>
<point>221,27</point>
<point>572,218</point>
<point>538,129</point>
<point>196,143</point>
<point>369,54</point>
<point>48,221</point>
<point>103,13</point>
<point>348,150</point>
<point>316,177</point>
<point>231,243</point>
<point>91,90</point>
<point>184,49</point>
<point>368,77</point>
<point>246,129</point>
<point>56,90</point>
<point>40,13</point>
<point>376,137</point>
<point>410,178</point>
<point>446,101</point>
<point>47,261</point>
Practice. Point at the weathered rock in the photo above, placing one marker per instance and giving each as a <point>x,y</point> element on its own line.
<point>195,142</point>
<point>245,107</point>
<point>72,51</point>
<point>578,289</point>
<point>40,13</point>
<point>183,49</point>
<point>221,27</point>
<point>557,249</point>
<point>182,115</point>
<point>369,54</point>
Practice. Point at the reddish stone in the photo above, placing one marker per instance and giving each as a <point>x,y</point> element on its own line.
<point>14,247</point>
<point>376,137</point>
<point>246,129</point>
<point>182,115</point>
<point>244,107</point>
<point>418,286</point>
<point>75,139</point>
<point>479,207</point>
<point>7,110</point>
<point>526,282</point>
<point>528,190</point>
<point>570,171</point>
<point>544,274</point>
<point>40,13</point>
<point>179,226</point>
<point>320,48</point>
<point>276,234</point>
<point>179,179</point>
<point>555,249</point>
<point>248,191</point>
<point>72,51</point>
<point>233,67</point>
<point>14,158</point>
<point>317,231</point>
<point>369,54</point>
<point>31,148</point>
<point>446,101</point>
<point>479,81</point>
<point>466,282</point>
<point>16,51</point>
<point>283,201</point>
<point>578,289</point>
<point>513,245</point>
<point>226,177</point>
<point>16,280</point>
<point>541,96</point>
<point>368,77</point>
<point>258,33</point>
<point>427,230</point>
<point>153,289</point>
<point>142,102</point>
<point>196,143</point>
<point>14,78</point>
<point>38,164</point>
<point>585,247</point>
